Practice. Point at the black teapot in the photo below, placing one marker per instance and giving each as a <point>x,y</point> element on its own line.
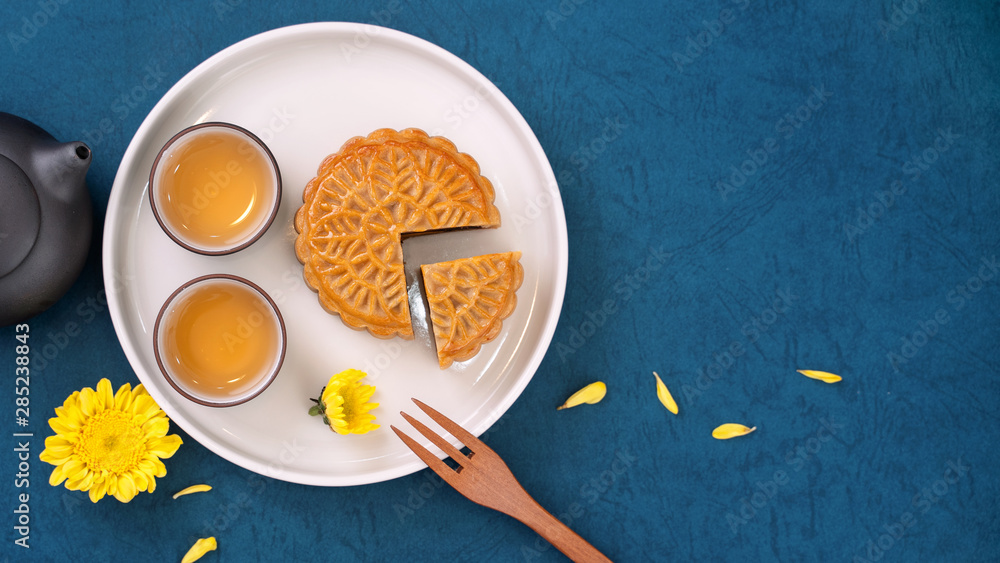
<point>45,217</point>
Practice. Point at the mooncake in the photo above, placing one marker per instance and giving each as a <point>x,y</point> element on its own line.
<point>362,200</point>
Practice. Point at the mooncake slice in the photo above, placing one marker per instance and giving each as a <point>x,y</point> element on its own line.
<point>363,198</point>
<point>468,301</point>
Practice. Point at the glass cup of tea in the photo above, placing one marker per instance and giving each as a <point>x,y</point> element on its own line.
<point>219,340</point>
<point>215,188</point>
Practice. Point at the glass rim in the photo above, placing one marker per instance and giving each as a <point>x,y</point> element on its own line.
<point>255,234</point>
<point>259,386</point>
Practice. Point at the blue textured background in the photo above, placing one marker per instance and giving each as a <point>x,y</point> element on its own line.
<point>643,110</point>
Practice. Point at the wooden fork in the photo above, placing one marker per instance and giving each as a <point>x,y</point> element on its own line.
<point>485,479</point>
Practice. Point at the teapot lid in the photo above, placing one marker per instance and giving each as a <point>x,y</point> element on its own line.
<point>20,216</point>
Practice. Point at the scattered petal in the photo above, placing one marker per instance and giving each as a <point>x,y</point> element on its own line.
<point>200,547</point>
<point>820,375</point>
<point>664,395</point>
<point>590,394</point>
<point>730,430</point>
<point>193,489</point>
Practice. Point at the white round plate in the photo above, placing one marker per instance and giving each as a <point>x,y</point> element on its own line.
<point>305,90</point>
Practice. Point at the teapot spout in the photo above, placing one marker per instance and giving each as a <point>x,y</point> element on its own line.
<point>62,169</point>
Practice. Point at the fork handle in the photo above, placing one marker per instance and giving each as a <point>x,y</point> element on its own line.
<point>558,534</point>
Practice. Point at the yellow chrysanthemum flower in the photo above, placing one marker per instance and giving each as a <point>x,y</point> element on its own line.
<point>344,404</point>
<point>109,443</point>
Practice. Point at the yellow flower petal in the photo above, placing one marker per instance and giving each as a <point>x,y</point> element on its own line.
<point>143,406</point>
<point>55,452</point>
<point>154,428</point>
<point>99,490</point>
<point>63,425</point>
<point>57,477</point>
<point>105,395</point>
<point>141,481</point>
<point>123,396</point>
<point>71,402</point>
<point>74,469</point>
<point>664,395</point>
<point>590,394</point>
<point>81,484</point>
<point>200,548</point>
<point>730,430</point>
<point>126,488</point>
<point>88,402</point>
<point>164,447</point>
<point>820,375</point>
<point>192,489</point>
<point>159,470</point>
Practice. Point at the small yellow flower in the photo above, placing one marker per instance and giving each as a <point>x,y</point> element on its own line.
<point>192,489</point>
<point>730,430</point>
<point>200,548</point>
<point>664,395</point>
<point>109,443</point>
<point>820,375</point>
<point>590,394</point>
<point>344,404</point>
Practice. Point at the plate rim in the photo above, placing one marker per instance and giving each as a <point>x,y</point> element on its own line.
<point>113,229</point>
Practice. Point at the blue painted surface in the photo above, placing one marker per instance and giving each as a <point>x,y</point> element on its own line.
<point>822,177</point>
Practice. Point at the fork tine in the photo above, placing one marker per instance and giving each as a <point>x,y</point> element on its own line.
<point>455,430</point>
<point>440,442</point>
<point>436,465</point>
<point>493,485</point>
